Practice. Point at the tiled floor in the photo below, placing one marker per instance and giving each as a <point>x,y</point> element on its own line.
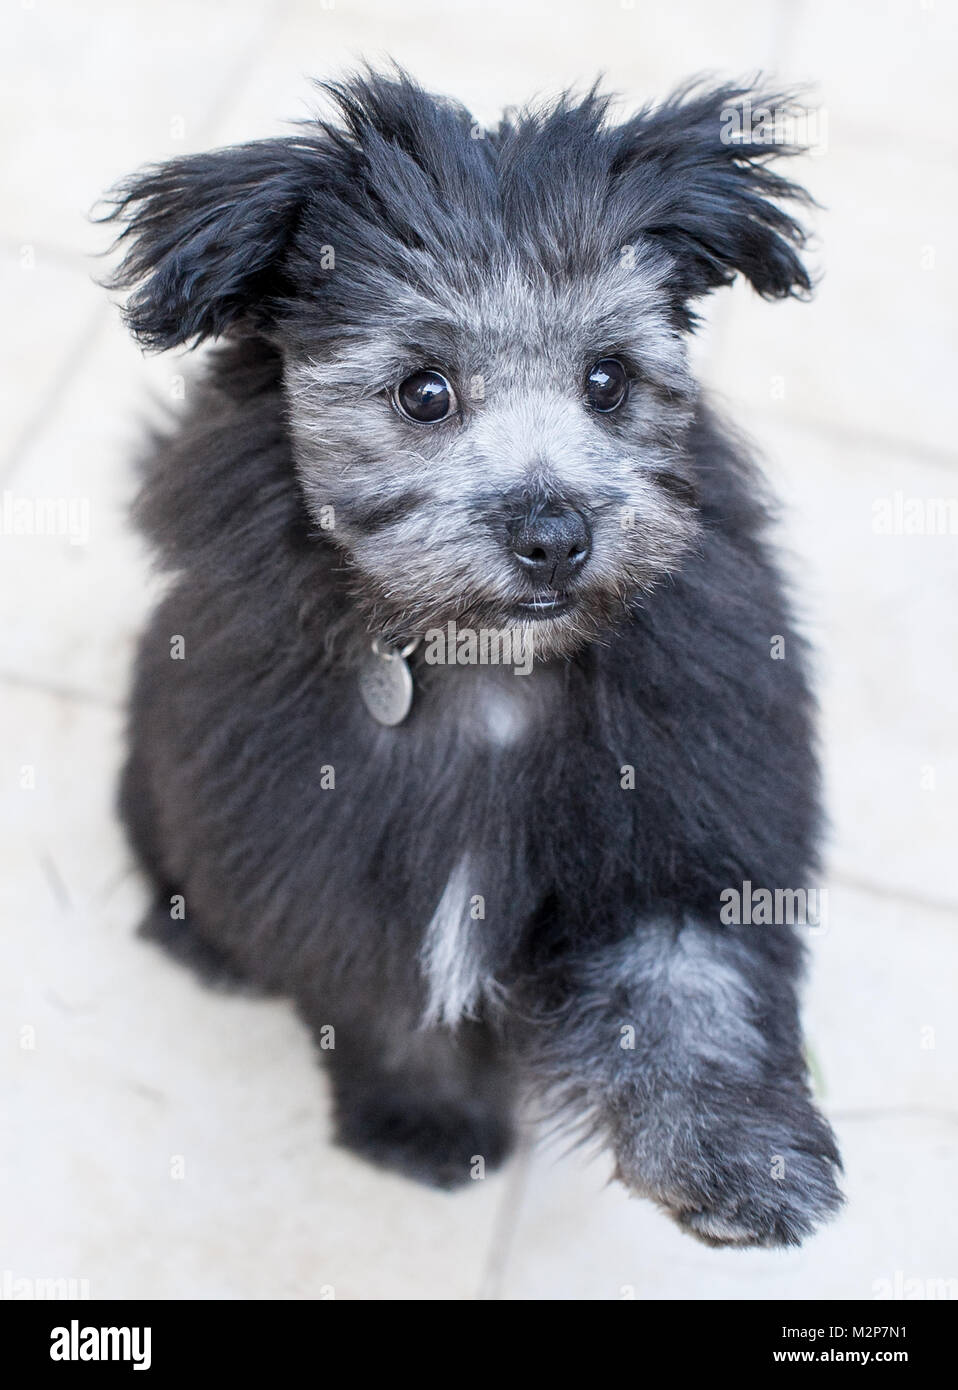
<point>163,1140</point>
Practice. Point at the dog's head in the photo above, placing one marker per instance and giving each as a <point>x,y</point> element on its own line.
<point>484,332</point>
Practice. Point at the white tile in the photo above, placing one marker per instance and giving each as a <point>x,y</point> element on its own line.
<point>52,312</point>
<point>59,844</point>
<point>874,355</point>
<point>75,583</point>
<point>880,1021</point>
<point>878,608</point>
<point>884,69</point>
<point>88,94</point>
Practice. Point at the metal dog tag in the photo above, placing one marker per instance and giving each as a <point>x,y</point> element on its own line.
<point>385,683</point>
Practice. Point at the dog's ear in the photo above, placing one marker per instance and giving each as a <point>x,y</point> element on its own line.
<point>204,237</point>
<point>693,176</point>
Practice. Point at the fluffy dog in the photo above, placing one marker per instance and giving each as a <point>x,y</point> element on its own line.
<point>452,401</point>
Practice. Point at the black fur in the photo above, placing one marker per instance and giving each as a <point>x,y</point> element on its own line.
<point>601,904</point>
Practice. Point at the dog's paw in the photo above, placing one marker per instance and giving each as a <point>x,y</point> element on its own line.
<point>437,1142</point>
<point>756,1179</point>
<point>757,1202</point>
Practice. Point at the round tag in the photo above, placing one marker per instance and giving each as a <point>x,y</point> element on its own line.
<point>385,683</point>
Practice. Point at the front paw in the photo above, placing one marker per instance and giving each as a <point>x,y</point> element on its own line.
<point>434,1141</point>
<point>760,1173</point>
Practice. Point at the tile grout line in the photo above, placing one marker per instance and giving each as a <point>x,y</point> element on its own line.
<point>505,1225</point>
<point>42,686</point>
<point>878,889</point>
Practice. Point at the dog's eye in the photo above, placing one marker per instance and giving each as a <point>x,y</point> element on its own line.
<point>607,385</point>
<point>426,397</point>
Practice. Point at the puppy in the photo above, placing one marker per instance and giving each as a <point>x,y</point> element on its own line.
<point>462,716</point>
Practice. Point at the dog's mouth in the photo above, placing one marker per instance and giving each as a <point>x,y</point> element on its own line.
<point>544,606</point>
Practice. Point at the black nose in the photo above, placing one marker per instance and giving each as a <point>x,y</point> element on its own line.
<point>552,546</point>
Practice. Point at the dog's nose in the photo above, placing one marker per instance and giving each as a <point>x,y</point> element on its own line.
<point>552,546</point>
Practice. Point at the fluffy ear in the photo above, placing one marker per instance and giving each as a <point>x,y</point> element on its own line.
<point>205,235</point>
<point>693,175</point>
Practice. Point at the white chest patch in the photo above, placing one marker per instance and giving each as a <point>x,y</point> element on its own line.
<point>451,959</point>
<point>501,716</point>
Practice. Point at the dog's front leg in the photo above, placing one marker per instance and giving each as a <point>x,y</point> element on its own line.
<point>682,1043</point>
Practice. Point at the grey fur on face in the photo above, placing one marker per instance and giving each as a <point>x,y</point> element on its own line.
<point>422,512</point>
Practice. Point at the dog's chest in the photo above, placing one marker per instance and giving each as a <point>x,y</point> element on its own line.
<point>445,834</point>
<point>496,713</point>
<point>461,819</point>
